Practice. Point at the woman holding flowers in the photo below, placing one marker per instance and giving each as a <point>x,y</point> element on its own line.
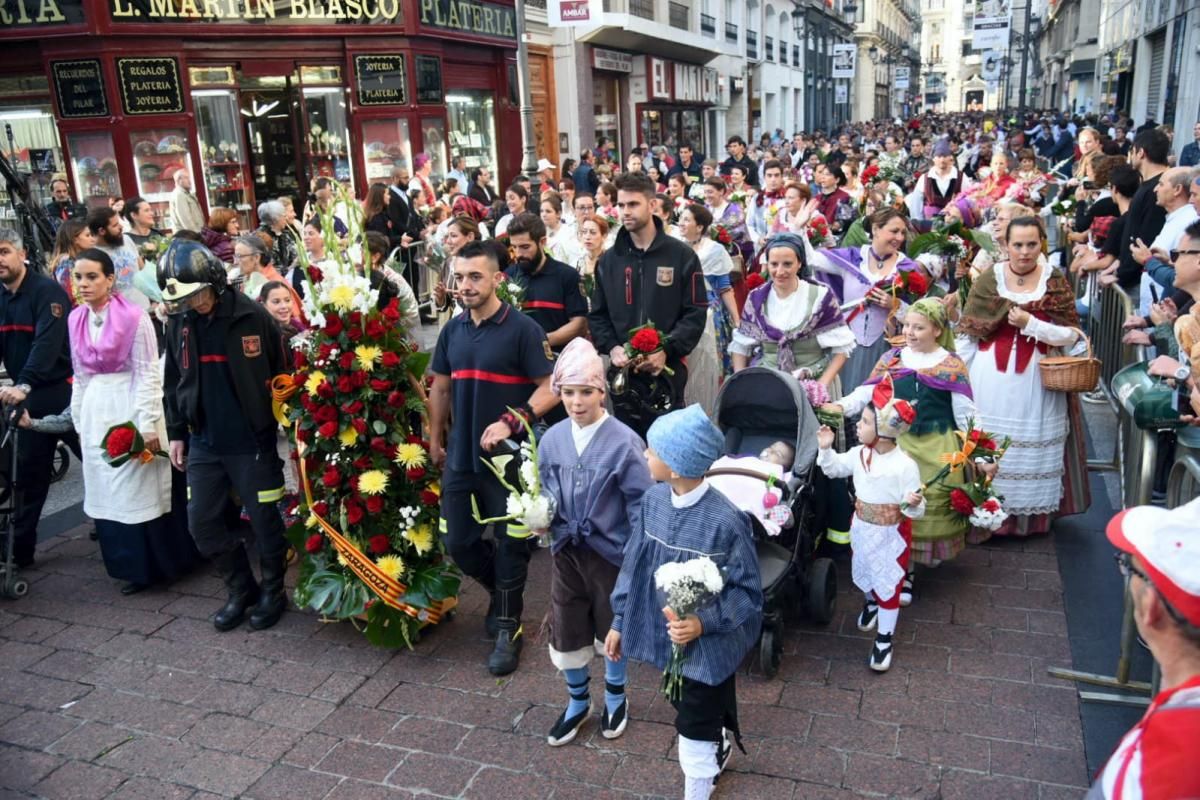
<point>997,186</point>
<point>118,380</point>
<point>1016,312</point>
<point>731,217</point>
<point>867,276</point>
<point>710,363</point>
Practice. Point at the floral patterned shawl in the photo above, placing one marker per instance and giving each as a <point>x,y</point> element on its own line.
<point>826,316</point>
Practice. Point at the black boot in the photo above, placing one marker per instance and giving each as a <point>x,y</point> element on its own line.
<point>234,568</point>
<point>272,599</point>
<point>506,656</point>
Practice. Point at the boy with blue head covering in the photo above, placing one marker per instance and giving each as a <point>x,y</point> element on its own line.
<point>683,519</point>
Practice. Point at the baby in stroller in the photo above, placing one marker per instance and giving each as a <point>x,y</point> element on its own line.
<point>731,475</point>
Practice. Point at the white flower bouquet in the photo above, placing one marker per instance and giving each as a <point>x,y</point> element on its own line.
<point>688,586</point>
<point>529,510</point>
<point>989,514</point>
<point>511,292</point>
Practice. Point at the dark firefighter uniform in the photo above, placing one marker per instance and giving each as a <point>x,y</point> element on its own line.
<point>37,355</point>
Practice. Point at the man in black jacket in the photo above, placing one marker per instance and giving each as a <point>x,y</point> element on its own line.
<point>406,224</point>
<point>37,356</point>
<point>1145,217</point>
<point>62,208</point>
<point>647,277</point>
<point>737,156</point>
<point>222,351</point>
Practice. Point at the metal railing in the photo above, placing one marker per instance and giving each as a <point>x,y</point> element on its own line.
<point>1183,482</point>
<point>708,25</point>
<point>679,16</point>
<point>731,33</point>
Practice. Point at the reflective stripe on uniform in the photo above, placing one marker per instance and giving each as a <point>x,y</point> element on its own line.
<point>189,496</point>
<point>442,525</point>
<point>271,495</point>
<point>837,537</point>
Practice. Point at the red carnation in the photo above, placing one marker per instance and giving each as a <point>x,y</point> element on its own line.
<point>120,442</point>
<point>395,399</point>
<point>991,505</point>
<point>320,508</point>
<point>328,430</point>
<point>390,359</point>
<point>429,498</point>
<point>754,280</point>
<point>380,385</point>
<point>354,513</point>
<point>379,544</point>
<point>375,504</point>
<point>331,478</point>
<point>346,360</point>
<point>314,543</point>
<point>414,473</point>
<point>359,424</point>
<point>917,283</point>
<point>325,390</point>
<point>300,359</point>
<point>375,329</point>
<point>333,325</point>
<point>315,275</point>
<point>646,341</point>
<point>987,443</point>
<point>961,502</point>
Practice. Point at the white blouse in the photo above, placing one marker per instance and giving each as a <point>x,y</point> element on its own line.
<point>962,406</point>
<point>788,313</point>
<point>1048,332</point>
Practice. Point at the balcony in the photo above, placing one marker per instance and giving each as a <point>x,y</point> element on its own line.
<point>731,33</point>
<point>752,44</point>
<point>769,48</point>
<point>679,16</point>
<point>708,25</point>
<point>642,8</point>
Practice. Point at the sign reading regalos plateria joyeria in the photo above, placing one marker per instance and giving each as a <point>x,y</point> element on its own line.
<point>471,17</point>
<point>258,12</point>
<point>150,85</point>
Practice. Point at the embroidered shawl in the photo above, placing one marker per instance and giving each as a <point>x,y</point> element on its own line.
<point>986,311</point>
<point>826,316</point>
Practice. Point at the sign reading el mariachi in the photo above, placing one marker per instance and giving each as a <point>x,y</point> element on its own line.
<point>470,16</point>
<point>306,12</point>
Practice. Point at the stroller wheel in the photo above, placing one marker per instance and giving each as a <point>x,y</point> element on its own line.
<point>62,462</point>
<point>770,650</point>
<point>820,591</point>
<point>15,587</point>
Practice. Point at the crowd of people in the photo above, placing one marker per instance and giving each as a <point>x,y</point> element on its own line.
<point>609,300</point>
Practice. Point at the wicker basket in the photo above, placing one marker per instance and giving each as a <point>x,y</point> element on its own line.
<point>1071,373</point>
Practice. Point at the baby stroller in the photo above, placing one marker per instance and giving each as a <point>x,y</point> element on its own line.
<point>755,408</point>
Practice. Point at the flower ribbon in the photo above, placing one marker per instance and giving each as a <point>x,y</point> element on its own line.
<point>386,588</point>
<point>283,386</point>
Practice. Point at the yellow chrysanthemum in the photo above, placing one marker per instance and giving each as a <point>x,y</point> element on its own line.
<point>367,355</point>
<point>409,455</point>
<point>314,380</point>
<point>342,297</point>
<point>373,481</point>
<point>348,437</point>
<point>392,566</point>
<point>421,538</point>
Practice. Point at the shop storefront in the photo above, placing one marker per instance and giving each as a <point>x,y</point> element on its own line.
<point>671,102</point>
<point>255,99</point>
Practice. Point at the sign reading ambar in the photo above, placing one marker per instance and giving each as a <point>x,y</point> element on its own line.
<point>471,17</point>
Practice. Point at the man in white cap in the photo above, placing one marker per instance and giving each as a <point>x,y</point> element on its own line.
<point>545,171</point>
<point>1160,557</point>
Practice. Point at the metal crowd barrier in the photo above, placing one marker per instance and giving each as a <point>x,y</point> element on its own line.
<point>1110,306</point>
<point>1183,482</point>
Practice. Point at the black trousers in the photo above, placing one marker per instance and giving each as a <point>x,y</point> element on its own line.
<point>702,711</point>
<point>35,462</point>
<point>634,408</point>
<point>258,480</point>
<point>500,564</point>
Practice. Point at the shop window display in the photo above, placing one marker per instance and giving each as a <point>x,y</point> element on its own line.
<point>223,154</point>
<point>386,145</point>
<point>433,134</point>
<point>35,150</point>
<point>472,116</point>
<point>158,153</point>
<point>328,139</point>
<point>94,168</point>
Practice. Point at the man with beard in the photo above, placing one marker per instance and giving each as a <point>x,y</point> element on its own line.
<point>491,368</point>
<point>647,277</point>
<point>105,225</point>
<point>37,356</point>
<point>61,208</point>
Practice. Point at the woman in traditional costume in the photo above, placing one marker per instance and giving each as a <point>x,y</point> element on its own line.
<point>998,185</point>
<point>118,379</point>
<point>710,362</point>
<point>1016,312</point>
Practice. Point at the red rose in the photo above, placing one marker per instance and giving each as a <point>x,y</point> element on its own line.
<point>429,498</point>
<point>324,351</point>
<point>354,333</point>
<point>346,360</point>
<point>961,502</point>
<point>314,543</point>
<point>354,407</point>
<point>987,443</point>
<point>375,504</point>
<point>345,385</point>
<point>358,378</point>
<point>917,283</point>
<point>395,399</point>
<point>412,438</point>
<point>331,478</point>
<point>390,360</point>
<point>301,434</point>
<point>320,508</point>
<point>119,442</point>
<point>356,318</point>
<point>362,462</point>
<point>328,430</point>
<point>325,390</point>
<point>354,513</point>
<point>315,275</point>
<point>380,385</point>
<point>991,504</point>
<point>380,444</point>
<point>300,360</point>
<point>325,414</point>
<point>333,326</point>
<point>646,341</point>
<point>754,280</point>
<point>375,329</point>
<point>359,424</point>
<point>379,544</point>
<point>414,473</point>
<point>392,312</point>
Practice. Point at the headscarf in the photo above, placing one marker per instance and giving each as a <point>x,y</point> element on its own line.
<point>931,308</point>
<point>686,441</point>
<point>969,211</point>
<point>578,365</point>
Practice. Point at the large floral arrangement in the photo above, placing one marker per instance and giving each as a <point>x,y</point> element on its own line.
<point>368,519</point>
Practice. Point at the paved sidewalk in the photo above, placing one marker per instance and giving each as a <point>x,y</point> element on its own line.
<point>103,696</point>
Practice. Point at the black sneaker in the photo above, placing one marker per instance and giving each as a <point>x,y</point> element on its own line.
<point>614,726</point>
<point>868,617</point>
<point>881,653</point>
<point>565,729</point>
<point>507,654</point>
<point>724,753</point>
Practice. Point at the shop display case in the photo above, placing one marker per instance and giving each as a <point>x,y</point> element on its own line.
<point>159,153</point>
<point>386,145</point>
<point>433,136</point>
<point>472,117</point>
<point>223,153</point>
<point>327,140</point>
<point>94,168</point>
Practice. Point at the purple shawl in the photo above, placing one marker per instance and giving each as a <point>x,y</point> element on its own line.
<point>755,324</point>
<point>949,375</point>
<point>111,351</point>
<point>849,281</point>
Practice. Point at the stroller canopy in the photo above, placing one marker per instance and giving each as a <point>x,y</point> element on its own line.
<point>761,405</point>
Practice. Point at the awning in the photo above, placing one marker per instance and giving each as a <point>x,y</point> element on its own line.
<point>1083,67</point>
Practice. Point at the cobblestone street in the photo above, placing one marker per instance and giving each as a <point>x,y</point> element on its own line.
<point>104,696</point>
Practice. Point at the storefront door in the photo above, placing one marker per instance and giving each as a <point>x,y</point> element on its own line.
<point>272,131</point>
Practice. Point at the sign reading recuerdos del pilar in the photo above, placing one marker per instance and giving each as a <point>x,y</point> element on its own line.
<point>470,16</point>
<point>79,87</point>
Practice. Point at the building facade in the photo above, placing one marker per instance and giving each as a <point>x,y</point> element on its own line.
<point>885,32</point>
